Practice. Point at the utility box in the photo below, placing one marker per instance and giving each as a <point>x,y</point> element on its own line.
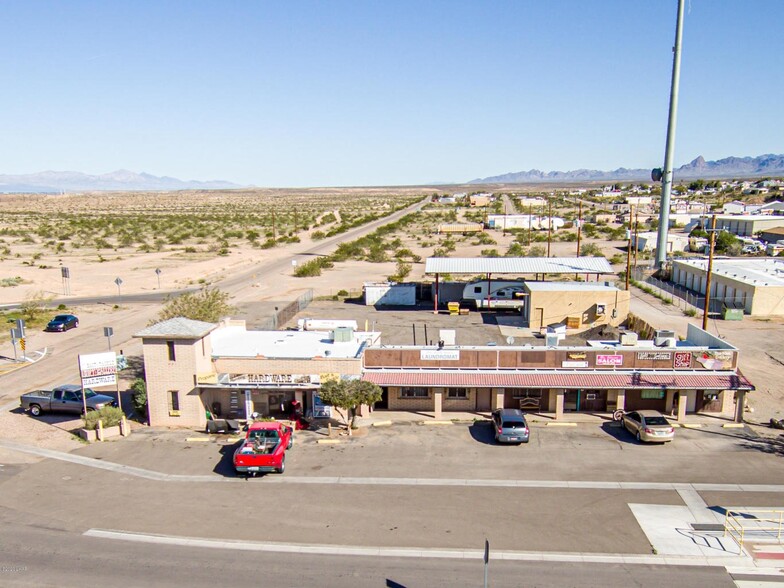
<point>732,311</point>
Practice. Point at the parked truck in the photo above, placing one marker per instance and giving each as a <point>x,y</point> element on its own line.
<point>65,398</point>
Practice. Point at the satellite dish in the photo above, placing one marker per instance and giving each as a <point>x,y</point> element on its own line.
<point>510,340</point>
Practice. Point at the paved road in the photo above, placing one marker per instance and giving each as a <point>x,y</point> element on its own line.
<point>39,552</point>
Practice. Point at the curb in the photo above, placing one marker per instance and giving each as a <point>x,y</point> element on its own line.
<point>561,424</point>
<point>436,423</point>
<point>328,441</point>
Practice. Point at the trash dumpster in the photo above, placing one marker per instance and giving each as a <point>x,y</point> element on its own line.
<point>732,311</point>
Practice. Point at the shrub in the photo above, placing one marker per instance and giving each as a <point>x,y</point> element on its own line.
<point>139,398</point>
<point>591,249</point>
<point>690,312</point>
<point>109,415</point>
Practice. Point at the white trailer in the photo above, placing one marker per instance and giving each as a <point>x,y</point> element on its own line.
<point>495,293</point>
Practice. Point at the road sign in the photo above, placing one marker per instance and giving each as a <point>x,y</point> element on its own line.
<point>108,331</point>
<point>66,273</point>
<point>22,344</point>
<point>118,281</point>
<point>20,327</point>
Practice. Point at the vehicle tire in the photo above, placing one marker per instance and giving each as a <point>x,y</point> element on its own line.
<point>291,442</point>
<point>282,467</point>
<point>35,410</point>
<point>638,437</point>
<point>76,324</point>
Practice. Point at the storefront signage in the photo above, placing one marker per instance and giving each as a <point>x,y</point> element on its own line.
<point>320,410</point>
<point>576,355</point>
<point>654,355</point>
<point>574,364</point>
<point>206,378</point>
<point>98,369</point>
<point>439,354</point>
<point>270,379</point>
<point>609,360</point>
<point>714,360</point>
<point>682,359</point>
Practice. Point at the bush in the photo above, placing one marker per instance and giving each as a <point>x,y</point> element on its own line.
<point>690,312</point>
<point>139,398</point>
<point>110,415</point>
<point>591,249</point>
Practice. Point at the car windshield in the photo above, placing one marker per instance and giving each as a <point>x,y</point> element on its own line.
<point>60,318</point>
<point>513,425</point>
<point>90,393</point>
<point>657,420</point>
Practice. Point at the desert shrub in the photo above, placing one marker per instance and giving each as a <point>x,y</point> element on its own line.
<point>591,250</point>
<point>318,235</point>
<point>139,398</point>
<point>209,305</point>
<point>109,415</point>
<point>313,267</point>
<point>490,253</point>
<point>536,251</point>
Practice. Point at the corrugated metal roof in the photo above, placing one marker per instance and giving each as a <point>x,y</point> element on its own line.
<point>555,379</point>
<point>177,328</point>
<point>517,265</point>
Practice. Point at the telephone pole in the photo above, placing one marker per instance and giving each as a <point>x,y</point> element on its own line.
<point>706,308</point>
<point>579,224</point>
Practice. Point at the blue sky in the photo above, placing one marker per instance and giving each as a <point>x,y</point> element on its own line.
<point>381,92</point>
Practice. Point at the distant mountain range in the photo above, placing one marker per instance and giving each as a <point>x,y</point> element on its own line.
<point>730,167</point>
<point>69,181</point>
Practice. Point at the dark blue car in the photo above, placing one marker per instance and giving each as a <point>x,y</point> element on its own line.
<point>62,322</point>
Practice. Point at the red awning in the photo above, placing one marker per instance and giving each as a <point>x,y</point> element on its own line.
<point>523,379</point>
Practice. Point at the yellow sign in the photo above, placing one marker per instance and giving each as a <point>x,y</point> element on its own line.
<point>22,344</point>
<point>329,378</point>
<point>207,378</point>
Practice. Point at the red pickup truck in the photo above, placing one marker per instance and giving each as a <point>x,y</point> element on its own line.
<point>264,448</point>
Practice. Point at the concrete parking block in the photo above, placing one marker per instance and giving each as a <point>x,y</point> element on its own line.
<point>328,441</point>
<point>436,423</point>
<point>733,425</point>
<point>558,424</point>
<point>382,424</point>
<point>197,440</point>
<point>691,425</point>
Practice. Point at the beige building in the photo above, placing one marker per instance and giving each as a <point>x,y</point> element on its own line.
<point>756,285</point>
<point>192,367</point>
<point>578,304</point>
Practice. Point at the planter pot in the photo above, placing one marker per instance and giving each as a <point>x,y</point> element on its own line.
<point>106,433</point>
<point>88,435</point>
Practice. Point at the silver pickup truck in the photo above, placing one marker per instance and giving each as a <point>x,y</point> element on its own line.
<point>65,398</point>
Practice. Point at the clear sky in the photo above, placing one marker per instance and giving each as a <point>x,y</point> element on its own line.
<point>381,92</point>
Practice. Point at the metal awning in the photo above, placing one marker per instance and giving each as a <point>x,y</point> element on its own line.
<point>517,265</point>
<point>693,380</point>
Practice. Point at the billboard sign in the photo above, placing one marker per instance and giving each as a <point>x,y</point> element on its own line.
<point>98,369</point>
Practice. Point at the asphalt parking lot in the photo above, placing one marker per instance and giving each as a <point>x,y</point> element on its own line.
<point>587,451</point>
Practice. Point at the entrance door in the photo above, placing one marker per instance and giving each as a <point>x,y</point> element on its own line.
<point>384,402</point>
<point>483,400</point>
<point>593,400</point>
<point>572,400</point>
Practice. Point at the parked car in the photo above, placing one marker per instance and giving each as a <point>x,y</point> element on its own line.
<point>264,448</point>
<point>649,426</point>
<point>65,398</point>
<point>510,426</point>
<point>62,322</point>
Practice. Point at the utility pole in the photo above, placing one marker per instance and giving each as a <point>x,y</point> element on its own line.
<point>579,224</point>
<point>549,224</point>
<point>629,248</point>
<point>706,308</point>
<point>636,233</point>
<point>666,176</point>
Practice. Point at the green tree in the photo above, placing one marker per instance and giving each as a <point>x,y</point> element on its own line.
<point>34,305</point>
<point>727,243</point>
<point>139,398</point>
<point>347,395</point>
<point>209,305</point>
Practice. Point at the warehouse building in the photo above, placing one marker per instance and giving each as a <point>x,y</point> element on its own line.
<point>746,225</point>
<point>756,285</point>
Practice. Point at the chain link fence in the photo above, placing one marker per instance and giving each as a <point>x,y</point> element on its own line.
<point>682,298</point>
<point>285,314</point>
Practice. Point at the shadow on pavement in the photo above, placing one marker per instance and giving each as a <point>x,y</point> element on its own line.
<point>225,467</point>
<point>619,433</point>
<point>482,432</point>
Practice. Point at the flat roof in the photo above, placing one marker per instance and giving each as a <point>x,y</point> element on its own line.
<point>755,272</point>
<point>569,286</point>
<point>517,265</point>
<point>236,341</point>
<point>751,217</point>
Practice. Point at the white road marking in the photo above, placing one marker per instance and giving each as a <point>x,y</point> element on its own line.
<point>412,552</point>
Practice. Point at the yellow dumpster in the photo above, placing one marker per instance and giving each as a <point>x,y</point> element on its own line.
<point>454,308</point>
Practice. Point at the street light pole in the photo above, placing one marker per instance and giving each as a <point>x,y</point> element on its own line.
<point>706,308</point>
<point>629,248</point>
<point>664,211</point>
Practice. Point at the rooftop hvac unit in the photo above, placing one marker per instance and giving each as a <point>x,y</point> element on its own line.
<point>343,334</point>
<point>665,339</point>
<point>551,339</point>
<point>629,339</point>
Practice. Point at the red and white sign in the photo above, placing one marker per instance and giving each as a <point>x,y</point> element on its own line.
<point>609,360</point>
<point>682,359</point>
<point>98,369</point>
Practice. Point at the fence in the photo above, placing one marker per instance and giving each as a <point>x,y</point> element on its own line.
<point>754,524</point>
<point>682,298</point>
<point>285,314</point>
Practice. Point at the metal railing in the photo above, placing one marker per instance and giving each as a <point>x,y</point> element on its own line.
<point>755,524</point>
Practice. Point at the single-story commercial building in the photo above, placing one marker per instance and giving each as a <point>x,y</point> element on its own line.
<point>648,241</point>
<point>192,367</point>
<point>696,375</point>
<point>746,225</point>
<point>773,235</point>
<point>576,304</point>
<point>756,285</point>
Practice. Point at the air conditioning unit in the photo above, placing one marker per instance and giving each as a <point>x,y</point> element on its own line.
<point>343,334</point>
<point>664,338</point>
<point>551,339</point>
<point>629,339</point>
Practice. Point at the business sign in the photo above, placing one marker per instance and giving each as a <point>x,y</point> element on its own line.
<point>439,354</point>
<point>320,410</point>
<point>270,379</point>
<point>609,360</point>
<point>574,364</point>
<point>714,360</point>
<point>98,369</point>
<point>682,359</point>
<point>654,355</point>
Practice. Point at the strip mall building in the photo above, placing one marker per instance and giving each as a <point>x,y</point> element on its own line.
<point>192,367</point>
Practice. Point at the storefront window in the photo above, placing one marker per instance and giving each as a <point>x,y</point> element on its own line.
<point>457,393</point>
<point>652,394</point>
<point>414,392</point>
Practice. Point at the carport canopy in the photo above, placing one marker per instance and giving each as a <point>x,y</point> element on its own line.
<point>515,266</point>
